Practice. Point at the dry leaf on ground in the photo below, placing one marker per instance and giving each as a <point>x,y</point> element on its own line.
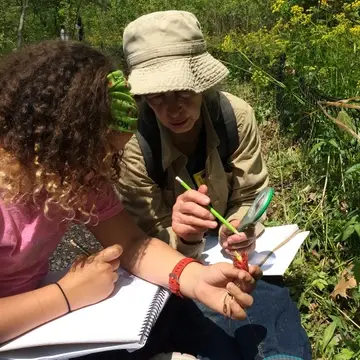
<point>347,281</point>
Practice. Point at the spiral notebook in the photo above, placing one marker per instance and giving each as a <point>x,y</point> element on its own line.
<point>122,321</point>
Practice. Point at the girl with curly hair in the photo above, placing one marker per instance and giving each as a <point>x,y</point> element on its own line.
<point>65,115</point>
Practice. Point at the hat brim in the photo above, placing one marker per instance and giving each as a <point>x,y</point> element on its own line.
<point>195,73</point>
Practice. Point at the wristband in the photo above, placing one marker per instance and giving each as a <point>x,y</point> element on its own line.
<point>65,297</point>
<point>174,276</point>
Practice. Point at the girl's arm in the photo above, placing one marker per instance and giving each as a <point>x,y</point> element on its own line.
<point>20,313</point>
<point>153,260</point>
<point>84,284</point>
<point>149,258</point>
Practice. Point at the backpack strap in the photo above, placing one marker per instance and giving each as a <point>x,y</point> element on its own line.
<point>148,136</point>
<point>230,122</point>
<point>225,125</point>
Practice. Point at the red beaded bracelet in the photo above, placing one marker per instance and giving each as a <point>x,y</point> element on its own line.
<point>174,276</point>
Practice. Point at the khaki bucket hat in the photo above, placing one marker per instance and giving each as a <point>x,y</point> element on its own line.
<point>166,51</point>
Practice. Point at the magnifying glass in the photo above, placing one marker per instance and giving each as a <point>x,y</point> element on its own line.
<point>257,209</point>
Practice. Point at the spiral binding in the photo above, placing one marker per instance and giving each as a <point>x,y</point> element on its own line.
<point>153,313</point>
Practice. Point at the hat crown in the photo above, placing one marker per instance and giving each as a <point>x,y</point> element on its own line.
<point>161,34</point>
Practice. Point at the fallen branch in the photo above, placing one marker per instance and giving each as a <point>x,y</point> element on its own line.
<point>337,122</point>
<point>342,104</point>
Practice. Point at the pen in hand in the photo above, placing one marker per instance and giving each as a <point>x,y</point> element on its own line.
<point>212,210</point>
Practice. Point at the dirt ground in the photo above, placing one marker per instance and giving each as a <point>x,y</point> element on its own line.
<point>66,253</point>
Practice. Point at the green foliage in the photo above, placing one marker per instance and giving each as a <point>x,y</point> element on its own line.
<point>331,323</point>
<point>104,20</point>
<point>311,51</point>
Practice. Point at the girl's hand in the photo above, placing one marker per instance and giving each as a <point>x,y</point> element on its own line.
<point>92,279</point>
<point>211,284</point>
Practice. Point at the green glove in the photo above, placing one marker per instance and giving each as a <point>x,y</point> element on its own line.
<point>123,105</point>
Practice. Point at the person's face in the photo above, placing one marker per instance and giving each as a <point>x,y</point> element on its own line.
<point>176,110</point>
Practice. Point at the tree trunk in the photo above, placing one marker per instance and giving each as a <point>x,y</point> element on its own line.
<point>21,22</point>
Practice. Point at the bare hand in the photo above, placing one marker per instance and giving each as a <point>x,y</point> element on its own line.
<point>190,220</point>
<point>92,279</point>
<point>245,241</point>
<point>215,282</point>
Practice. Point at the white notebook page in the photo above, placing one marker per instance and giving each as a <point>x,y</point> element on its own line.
<point>118,319</point>
<point>272,236</point>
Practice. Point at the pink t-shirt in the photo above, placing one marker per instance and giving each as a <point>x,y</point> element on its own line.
<point>28,239</point>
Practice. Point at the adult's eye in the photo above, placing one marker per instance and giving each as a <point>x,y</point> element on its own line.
<point>185,94</point>
<point>155,99</point>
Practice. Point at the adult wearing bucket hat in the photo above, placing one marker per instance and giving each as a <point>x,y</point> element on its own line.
<point>210,139</point>
<point>172,72</point>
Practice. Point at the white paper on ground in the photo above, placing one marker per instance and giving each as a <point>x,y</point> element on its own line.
<point>272,236</point>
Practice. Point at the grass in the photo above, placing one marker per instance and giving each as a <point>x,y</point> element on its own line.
<point>312,198</point>
<point>331,324</point>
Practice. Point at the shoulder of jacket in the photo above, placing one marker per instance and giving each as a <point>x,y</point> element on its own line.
<point>243,111</point>
<point>132,147</point>
<point>133,156</point>
<point>240,106</point>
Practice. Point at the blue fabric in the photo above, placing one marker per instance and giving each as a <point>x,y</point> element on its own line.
<point>282,357</point>
<point>272,331</point>
<point>273,326</point>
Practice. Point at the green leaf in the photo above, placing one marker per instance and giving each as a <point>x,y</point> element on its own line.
<point>334,144</point>
<point>345,354</point>
<point>320,284</point>
<point>354,168</point>
<point>348,232</point>
<point>328,334</point>
<point>357,228</point>
<point>346,120</point>
<point>337,320</point>
<point>316,147</point>
<point>356,270</point>
<point>352,221</point>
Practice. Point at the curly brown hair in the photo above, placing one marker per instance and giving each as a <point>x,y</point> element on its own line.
<point>54,122</point>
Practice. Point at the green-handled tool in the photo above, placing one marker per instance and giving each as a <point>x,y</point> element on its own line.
<point>257,209</point>
<point>213,211</point>
<point>252,216</point>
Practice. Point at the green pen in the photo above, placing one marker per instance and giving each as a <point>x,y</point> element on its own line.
<point>213,211</point>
